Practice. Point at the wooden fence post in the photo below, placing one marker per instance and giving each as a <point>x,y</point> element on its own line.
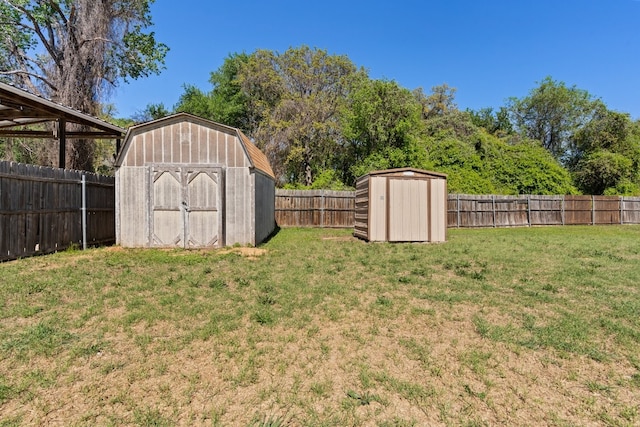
<point>83,211</point>
<point>493,208</point>
<point>593,210</point>
<point>458,209</point>
<point>529,209</point>
<point>322,194</point>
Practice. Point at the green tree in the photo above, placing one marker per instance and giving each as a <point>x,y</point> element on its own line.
<point>607,130</point>
<point>226,103</point>
<point>463,165</point>
<point>74,51</point>
<point>440,102</point>
<point>151,112</point>
<point>604,172</point>
<point>605,155</point>
<point>495,122</point>
<point>524,168</point>
<point>293,101</point>
<point>484,164</point>
<point>381,126</point>
<point>551,114</point>
<point>230,103</point>
<point>194,101</point>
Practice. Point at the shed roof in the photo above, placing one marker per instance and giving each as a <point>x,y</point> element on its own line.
<point>256,157</point>
<point>407,172</point>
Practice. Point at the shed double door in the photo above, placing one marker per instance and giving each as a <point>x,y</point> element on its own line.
<point>408,219</point>
<point>186,207</point>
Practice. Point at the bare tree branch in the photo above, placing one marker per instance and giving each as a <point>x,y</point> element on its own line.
<point>96,39</point>
<point>30,74</point>
<point>36,27</point>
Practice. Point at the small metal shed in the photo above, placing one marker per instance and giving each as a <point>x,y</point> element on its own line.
<point>401,205</point>
<point>183,181</point>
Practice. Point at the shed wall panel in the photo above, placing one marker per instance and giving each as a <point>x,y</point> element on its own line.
<point>157,146</point>
<point>239,155</point>
<point>133,204</point>
<point>438,220</point>
<point>231,151</point>
<point>378,209</point>
<point>174,142</point>
<point>203,142</point>
<point>238,211</point>
<point>194,146</point>
<point>222,149</point>
<point>265,200</point>
<point>361,215</point>
<point>140,149</point>
<point>186,143</point>
<point>148,147</point>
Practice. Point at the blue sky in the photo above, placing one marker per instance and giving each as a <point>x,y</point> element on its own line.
<point>489,50</point>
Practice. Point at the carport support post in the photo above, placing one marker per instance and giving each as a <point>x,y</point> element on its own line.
<point>62,137</point>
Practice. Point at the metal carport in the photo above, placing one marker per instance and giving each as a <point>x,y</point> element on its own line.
<point>19,108</point>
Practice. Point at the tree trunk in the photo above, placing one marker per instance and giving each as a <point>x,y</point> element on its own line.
<point>308,176</point>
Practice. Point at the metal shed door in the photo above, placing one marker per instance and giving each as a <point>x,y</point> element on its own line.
<point>185,207</point>
<point>408,205</point>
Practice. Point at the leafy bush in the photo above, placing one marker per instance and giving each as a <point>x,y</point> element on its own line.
<point>602,171</point>
<point>485,164</point>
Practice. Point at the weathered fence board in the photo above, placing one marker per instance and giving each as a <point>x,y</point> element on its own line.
<point>546,210</point>
<point>578,210</point>
<point>41,209</point>
<point>317,208</point>
<point>630,210</point>
<point>606,209</point>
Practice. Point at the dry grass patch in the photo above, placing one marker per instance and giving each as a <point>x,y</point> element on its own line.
<point>495,327</point>
<point>248,252</point>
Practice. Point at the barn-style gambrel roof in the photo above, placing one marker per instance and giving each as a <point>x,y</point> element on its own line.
<point>256,157</point>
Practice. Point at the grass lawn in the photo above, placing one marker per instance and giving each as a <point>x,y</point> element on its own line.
<point>528,326</point>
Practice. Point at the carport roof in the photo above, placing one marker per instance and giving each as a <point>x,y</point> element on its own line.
<point>19,108</point>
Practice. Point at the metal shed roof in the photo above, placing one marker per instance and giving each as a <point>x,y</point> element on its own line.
<point>408,172</point>
<point>20,108</point>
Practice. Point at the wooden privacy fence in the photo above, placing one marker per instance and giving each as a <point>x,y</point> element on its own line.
<point>320,208</point>
<point>315,208</point>
<point>469,211</point>
<point>44,209</point>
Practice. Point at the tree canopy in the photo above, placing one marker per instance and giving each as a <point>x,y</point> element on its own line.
<point>75,51</point>
<point>551,114</point>
<point>323,122</point>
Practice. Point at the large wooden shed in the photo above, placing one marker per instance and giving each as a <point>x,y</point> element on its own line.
<point>183,181</point>
<point>401,205</point>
